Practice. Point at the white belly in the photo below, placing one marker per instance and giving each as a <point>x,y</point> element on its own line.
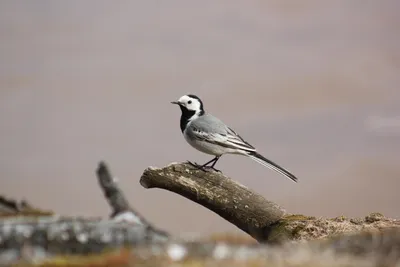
<point>209,148</point>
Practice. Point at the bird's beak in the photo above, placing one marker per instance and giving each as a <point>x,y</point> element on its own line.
<point>175,102</point>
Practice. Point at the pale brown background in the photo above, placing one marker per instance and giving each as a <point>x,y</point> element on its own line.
<point>313,84</point>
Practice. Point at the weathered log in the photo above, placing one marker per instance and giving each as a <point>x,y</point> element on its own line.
<point>234,202</point>
<point>262,219</point>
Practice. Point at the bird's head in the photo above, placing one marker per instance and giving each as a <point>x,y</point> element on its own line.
<point>190,104</point>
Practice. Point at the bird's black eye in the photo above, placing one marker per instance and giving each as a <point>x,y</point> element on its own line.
<point>190,102</point>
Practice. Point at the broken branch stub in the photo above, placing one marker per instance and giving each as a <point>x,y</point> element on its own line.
<point>234,202</point>
<point>122,211</point>
<point>112,193</point>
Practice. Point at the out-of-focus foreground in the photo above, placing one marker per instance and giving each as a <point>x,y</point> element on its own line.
<point>31,237</point>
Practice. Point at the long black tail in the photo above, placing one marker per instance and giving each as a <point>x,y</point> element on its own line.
<point>272,165</point>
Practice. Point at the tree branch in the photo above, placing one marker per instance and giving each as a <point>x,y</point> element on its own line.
<point>112,193</point>
<point>264,220</point>
<point>122,211</point>
<point>234,202</point>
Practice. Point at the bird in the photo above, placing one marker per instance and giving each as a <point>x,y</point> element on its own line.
<point>210,135</point>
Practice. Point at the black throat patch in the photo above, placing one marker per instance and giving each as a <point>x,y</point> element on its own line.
<point>185,117</point>
<point>188,114</point>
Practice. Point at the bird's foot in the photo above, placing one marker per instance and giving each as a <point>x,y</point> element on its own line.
<point>197,166</point>
<point>204,168</point>
<point>194,164</point>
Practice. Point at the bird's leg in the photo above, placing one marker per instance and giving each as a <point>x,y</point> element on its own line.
<point>202,167</point>
<point>215,161</point>
<point>194,164</point>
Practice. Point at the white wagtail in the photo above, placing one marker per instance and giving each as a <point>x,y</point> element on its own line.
<point>210,135</point>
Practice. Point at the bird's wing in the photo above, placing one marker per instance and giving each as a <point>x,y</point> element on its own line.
<point>226,138</point>
<point>236,140</point>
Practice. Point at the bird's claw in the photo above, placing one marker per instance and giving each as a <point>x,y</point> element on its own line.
<point>206,168</point>
<point>197,166</point>
<point>216,170</point>
<point>194,164</point>
<point>202,167</point>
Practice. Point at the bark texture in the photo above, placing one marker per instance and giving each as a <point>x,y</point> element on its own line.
<point>264,220</point>
<point>234,202</point>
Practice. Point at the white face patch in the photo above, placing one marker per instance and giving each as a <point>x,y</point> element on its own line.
<point>190,103</point>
